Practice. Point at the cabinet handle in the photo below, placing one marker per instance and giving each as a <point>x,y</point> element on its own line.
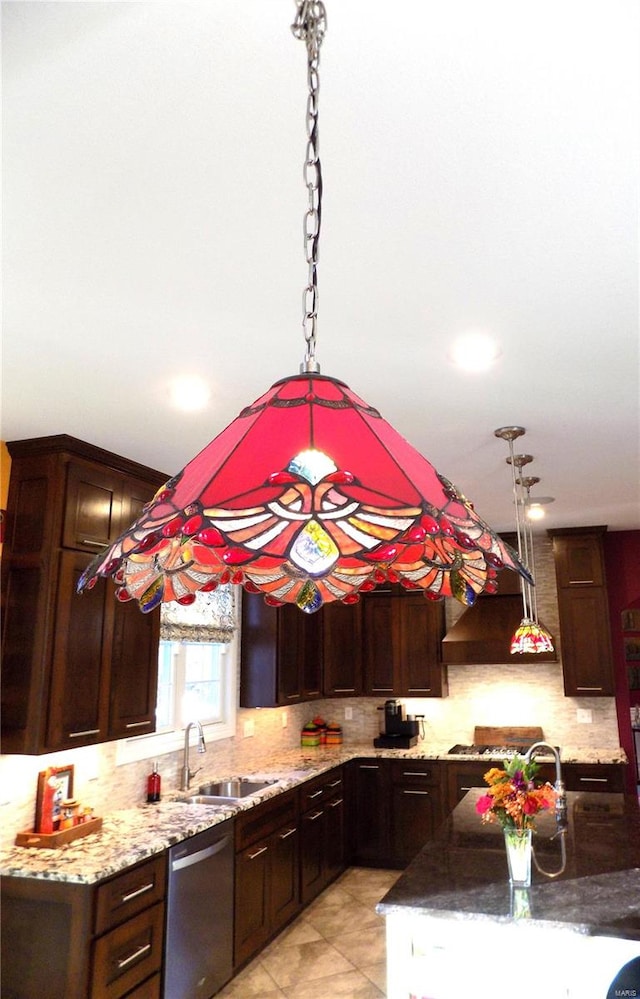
<point>141,724</point>
<point>336,783</point>
<point>288,833</point>
<point>317,794</point>
<point>581,582</point>
<point>263,849</point>
<point>122,963</point>
<point>369,766</point>
<point>344,690</point>
<point>465,789</point>
<point>593,780</point>
<point>416,773</point>
<point>138,891</point>
<point>588,688</point>
<point>334,804</point>
<point>94,544</point>
<point>406,791</point>
<point>78,735</point>
<point>312,818</point>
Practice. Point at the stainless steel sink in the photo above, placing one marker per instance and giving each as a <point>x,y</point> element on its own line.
<point>234,788</point>
<point>225,792</point>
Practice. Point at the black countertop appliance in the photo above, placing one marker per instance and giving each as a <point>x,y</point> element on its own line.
<point>397,732</point>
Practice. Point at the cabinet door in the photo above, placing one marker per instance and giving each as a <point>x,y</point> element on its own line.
<point>415,816</point>
<point>342,650</point>
<point>311,854</point>
<point>378,642</point>
<point>251,901</point>
<point>134,671</point>
<point>93,507</point>
<point>334,841</point>
<point>370,813</point>
<point>290,652</point>
<point>578,560</point>
<point>421,628</point>
<point>81,658</point>
<point>586,642</point>
<point>284,893</point>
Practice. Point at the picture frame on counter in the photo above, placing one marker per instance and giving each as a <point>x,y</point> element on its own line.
<point>64,789</point>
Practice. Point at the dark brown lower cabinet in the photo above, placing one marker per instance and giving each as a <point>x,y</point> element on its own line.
<point>322,826</point>
<point>416,807</point>
<point>267,892</point>
<point>369,811</point>
<point>79,941</point>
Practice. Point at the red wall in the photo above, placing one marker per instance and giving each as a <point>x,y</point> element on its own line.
<point>622,561</point>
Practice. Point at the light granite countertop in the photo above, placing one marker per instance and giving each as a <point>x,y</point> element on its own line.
<point>132,835</point>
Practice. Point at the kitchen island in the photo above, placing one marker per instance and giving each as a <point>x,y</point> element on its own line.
<point>455,927</point>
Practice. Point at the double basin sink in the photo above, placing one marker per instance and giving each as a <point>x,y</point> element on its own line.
<point>226,792</point>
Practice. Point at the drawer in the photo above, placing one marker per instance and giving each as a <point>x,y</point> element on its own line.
<point>261,821</point>
<point>148,990</point>
<point>415,772</point>
<point>314,792</point>
<point>130,893</point>
<point>129,954</point>
<point>596,777</point>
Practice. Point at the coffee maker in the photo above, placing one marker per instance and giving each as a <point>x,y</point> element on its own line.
<point>397,732</point>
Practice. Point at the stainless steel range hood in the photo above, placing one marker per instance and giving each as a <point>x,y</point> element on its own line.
<point>482,634</point>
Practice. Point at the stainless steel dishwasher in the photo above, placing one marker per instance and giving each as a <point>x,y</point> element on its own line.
<point>198,957</point>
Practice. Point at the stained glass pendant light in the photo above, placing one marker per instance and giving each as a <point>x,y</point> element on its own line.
<point>309,495</point>
<point>530,636</point>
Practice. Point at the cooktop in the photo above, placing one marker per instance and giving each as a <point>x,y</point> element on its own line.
<point>478,750</point>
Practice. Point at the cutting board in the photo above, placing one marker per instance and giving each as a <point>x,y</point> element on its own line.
<point>488,735</point>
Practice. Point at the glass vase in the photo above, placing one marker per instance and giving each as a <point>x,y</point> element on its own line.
<point>518,846</point>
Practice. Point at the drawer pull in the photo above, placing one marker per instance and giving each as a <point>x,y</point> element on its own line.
<point>344,690</point>
<point>263,849</point>
<point>465,789</point>
<point>334,804</point>
<point>407,791</point>
<point>593,780</point>
<point>581,582</point>
<point>336,783</point>
<point>317,794</point>
<point>141,724</point>
<point>588,688</point>
<point>288,833</point>
<point>369,766</point>
<point>94,544</point>
<point>88,731</point>
<point>416,773</point>
<point>133,957</point>
<point>316,815</point>
<point>138,891</point>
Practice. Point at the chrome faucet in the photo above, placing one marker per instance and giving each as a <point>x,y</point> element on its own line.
<point>187,774</point>
<point>559,788</point>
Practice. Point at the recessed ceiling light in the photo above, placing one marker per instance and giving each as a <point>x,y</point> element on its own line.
<point>189,393</point>
<point>475,351</point>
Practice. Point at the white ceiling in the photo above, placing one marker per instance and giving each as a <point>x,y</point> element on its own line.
<point>480,164</point>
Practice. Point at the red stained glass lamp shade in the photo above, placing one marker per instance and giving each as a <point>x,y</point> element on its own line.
<point>308,496</point>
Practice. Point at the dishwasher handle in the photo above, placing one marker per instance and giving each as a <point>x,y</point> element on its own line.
<point>189,859</point>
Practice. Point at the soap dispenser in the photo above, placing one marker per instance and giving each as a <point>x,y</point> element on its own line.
<point>153,785</point>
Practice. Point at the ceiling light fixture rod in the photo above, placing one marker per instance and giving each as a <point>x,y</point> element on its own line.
<point>310,26</point>
<point>525,482</point>
<point>510,434</point>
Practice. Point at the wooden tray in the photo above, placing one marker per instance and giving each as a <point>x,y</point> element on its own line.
<point>52,840</point>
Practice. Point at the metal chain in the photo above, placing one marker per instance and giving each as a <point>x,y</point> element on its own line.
<point>310,26</point>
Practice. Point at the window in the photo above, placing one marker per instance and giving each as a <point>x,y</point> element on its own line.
<point>197,674</point>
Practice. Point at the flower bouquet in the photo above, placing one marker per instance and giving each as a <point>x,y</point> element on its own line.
<point>513,800</point>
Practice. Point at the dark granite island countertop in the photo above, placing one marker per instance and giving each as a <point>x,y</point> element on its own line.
<point>455,928</point>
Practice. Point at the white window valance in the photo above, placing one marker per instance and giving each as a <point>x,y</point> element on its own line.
<point>211,618</point>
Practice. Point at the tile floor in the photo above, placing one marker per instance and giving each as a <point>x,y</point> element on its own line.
<point>336,947</point>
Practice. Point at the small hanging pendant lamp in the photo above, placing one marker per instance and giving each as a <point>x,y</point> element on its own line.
<point>530,636</point>
<point>308,496</point>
